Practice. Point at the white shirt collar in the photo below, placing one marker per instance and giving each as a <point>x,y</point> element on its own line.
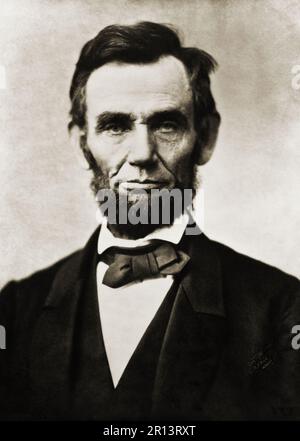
<point>170,233</point>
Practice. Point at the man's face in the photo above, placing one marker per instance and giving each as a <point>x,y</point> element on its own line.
<point>140,125</point>
<point>140,132</point>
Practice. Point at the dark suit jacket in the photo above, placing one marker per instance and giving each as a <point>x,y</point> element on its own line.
<point>226,353</point>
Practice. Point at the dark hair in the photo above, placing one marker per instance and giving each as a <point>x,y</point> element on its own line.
<point>144,42</point>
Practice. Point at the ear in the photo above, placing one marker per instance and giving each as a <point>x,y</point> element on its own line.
<point>77,138</point>
<point>208,136</point>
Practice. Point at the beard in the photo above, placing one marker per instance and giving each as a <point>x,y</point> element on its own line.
<point>147,206</point>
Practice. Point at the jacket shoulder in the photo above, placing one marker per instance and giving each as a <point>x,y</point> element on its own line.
<point>250,276</point>
<point>244,264</point>
<point>23,296</point>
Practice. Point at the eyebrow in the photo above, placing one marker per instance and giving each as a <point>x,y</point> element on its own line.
<point>109,117</point>
<point>173,115</point>
<point>155,118</point>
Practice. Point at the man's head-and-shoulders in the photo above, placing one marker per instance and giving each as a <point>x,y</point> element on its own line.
<point>143,118</point>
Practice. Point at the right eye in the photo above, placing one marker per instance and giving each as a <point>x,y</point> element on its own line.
<point>115,129</point>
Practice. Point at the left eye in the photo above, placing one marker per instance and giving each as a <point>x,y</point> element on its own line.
<point>168,127</point>
<point>115,129</point>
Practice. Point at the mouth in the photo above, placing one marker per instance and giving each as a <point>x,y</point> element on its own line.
<point>146,184</point>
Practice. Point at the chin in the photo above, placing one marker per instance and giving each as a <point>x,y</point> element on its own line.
<point>143,216</point>
<point>129,231</point>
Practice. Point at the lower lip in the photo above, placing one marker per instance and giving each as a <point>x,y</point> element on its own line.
<point>140,185</point>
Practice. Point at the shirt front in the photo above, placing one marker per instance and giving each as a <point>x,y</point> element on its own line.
<point>126,312</point>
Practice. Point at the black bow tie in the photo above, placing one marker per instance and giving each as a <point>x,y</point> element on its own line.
<point>128,265</point>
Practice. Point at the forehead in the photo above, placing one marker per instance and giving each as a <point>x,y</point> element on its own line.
<point>139,88</point>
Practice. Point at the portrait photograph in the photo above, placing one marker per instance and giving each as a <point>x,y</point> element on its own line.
<point>150,216</point>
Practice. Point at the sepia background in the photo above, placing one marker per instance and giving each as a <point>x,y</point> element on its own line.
<point>251,185</point>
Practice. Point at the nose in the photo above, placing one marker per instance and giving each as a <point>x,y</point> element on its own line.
<point>141,148</point>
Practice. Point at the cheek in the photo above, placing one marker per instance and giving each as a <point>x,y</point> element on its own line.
<point>178,154</point>
<point>107,154</point>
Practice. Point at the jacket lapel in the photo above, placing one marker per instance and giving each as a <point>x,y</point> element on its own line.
<point>52,346</point>
<point>191,348</point>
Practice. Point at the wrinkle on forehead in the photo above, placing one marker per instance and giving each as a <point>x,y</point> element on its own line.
<point>119,86</point>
